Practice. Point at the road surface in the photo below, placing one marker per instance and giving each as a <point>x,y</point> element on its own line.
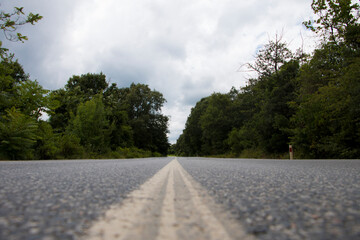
<point>180,198</point>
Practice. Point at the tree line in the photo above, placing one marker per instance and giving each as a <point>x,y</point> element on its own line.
<point>88,118</point>
<point>309,101</point>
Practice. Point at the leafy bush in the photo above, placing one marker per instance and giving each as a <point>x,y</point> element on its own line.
<point>18,135</point>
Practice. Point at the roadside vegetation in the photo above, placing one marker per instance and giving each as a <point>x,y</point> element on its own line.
<point>88,118</point>
<point>311,101</point>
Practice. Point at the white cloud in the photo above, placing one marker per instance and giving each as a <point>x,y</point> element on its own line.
<point>185,49</point>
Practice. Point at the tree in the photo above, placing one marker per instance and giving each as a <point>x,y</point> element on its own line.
<point>190,141</point>
<point>9,24</point>
<point>271,57</point>
<point>79,89</point>
<point>267,113</point>
<point>47,145</point>
<point>149,126</point>
<point>335,19</point>
<point>18,91</point>
<point>327,116</point>
<point>123,117</point>
<point>328,120</point>
<point>21,100</point>
<point>87,85</point>
<point>70,146</point>
<point>17,134</point>
<point>114,101</point>
<point>32,99</point>
<point>215,124</point>
<point>311,103</point>
<point>91,125</point>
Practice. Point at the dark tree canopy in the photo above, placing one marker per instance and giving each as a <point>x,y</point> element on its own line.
<point>311,103</point>
<point>87,118</point>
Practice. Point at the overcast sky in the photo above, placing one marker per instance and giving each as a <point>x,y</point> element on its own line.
<point>185,49</point>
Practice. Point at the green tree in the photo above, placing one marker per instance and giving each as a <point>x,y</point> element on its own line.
<point>190,141</point>
<point>91,125</point>
<point>335,19</point>
<point>312,102</point>
<point>87,85</point>
<point>47,146</point>
<point>271,57</point>
<point>265,105</point>
<point>327,119</point>
<point>70,147</point>
<point>149,126</point>
<point>11,75</point>
<point>18,91</point>
<point>32,99</point>
<point>22,101</point>
<point>327,122</point>
<point>216,123</point>
<point>114,101</point>
<point>79,89</point>
<point>18,135</point>
<point>10,23</point>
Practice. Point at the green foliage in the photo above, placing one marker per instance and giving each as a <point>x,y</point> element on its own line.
<point>18,91</point>
<point>133,152</point>
<point>271,57</point>
<point>122,134</point>
<point>31,98</point>
<point>87,118</point>
<point>327,121</point>
<point>17,134</point>
<point>190,142</point>
<point>149,126</point>
<point>327,116</point>
<point>107,117</point>
<point>11,75</point>
<point>215,124</point>
<point>10,22</point>
<point>335,17</point>
<point>87,85</point>
<point>311,103</point>
<point>91,126</point>
<point>257,116</point>
<point>86,115</point>
<point>70,147</point>
<point>47,145</point>
<point>79,89</point>
<point>22,102</point>
<point>241,139</point>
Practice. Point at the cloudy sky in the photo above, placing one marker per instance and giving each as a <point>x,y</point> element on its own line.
<point>186,49</point>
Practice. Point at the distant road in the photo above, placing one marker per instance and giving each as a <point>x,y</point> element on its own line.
<point>180,198</point>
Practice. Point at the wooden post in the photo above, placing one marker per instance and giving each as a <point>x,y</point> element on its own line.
<point>291,152</point>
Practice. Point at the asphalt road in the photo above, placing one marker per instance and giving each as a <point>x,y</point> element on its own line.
<point>277,199</point>
<point>271,199</point>
<point>59,199</point>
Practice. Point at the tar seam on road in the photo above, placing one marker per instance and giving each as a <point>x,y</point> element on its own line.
<point>151,212</point>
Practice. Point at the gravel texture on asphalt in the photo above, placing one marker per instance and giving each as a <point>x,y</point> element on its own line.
<point>59,199</point>
<point>279,199</point>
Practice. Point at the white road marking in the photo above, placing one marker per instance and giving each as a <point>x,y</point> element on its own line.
<point>168,219</point>
<point>150,212</point>
<point>214,226</point>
